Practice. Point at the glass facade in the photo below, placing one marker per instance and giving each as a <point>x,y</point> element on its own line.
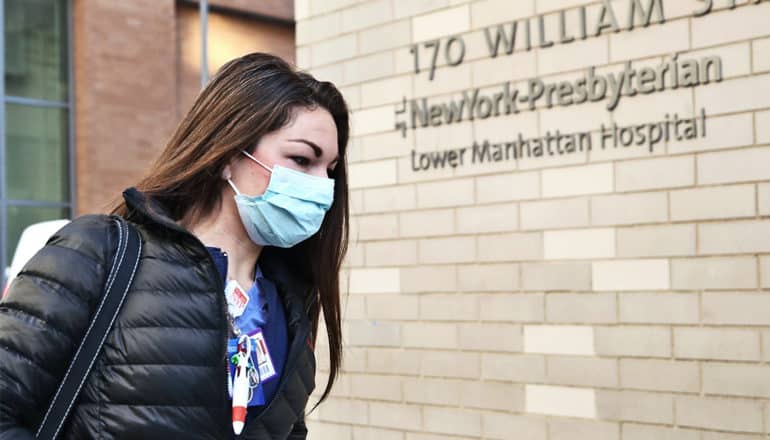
<point>35,138</point>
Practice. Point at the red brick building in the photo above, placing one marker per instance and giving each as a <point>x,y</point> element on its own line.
<point>93,89</point>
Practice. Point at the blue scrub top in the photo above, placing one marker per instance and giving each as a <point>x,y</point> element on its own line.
<point>264,310</point>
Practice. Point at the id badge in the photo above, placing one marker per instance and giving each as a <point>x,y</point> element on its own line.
<point>263,360</point>
<point>256,392</point>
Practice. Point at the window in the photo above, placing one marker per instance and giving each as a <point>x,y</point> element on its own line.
<point>35,118</point>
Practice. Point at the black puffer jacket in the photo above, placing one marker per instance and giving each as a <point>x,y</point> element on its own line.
<point>162,371</point>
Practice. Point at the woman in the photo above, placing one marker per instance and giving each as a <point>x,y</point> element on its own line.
<point>249,197</point>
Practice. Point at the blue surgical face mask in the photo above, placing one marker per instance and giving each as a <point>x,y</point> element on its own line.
<point>291,209</point>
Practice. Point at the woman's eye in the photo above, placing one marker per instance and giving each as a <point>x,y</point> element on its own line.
<point>301,161</point>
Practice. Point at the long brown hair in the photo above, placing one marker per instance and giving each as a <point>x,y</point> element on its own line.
<point>249,97</point>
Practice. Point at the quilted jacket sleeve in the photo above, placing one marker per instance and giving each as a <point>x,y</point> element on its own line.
<point>299,430</point>
<point>45,315</point>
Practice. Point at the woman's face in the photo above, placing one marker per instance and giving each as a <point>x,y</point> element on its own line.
<point>308,144</point>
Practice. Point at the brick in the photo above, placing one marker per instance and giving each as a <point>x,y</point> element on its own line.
<point>428,279</point>
<point>371,120</point>
<point>427,223</point>
<point>736,380</point>
<point>447,193</point>
<point>629,209</point>
<point>453,80</point>
<point>381,92</point>
<point>355,254</point>
<point>713,203</point>
<point>373,333</point>
<point>646,432</point>
<point>517,246</point>
<point>659,308</point>
<point>385,37</point>
<point>581,308</point>
<point>333,50</point>
<point>761,52</point>
<point>553,214</point>
<point>490,337</point>
<point>322,7</point>
<point>571,119</point>
<point>714,273</point>
<point>488,218</point>
<point>392,307</point>
<point>723,132</point>
<point>743,165</point>
<point>736,308</point>
<point>392,361</point>
<point>711,435</point>
<point>734,237</point>
<point>556,276</point>
<point>318,430</point>
<point>485,13</point>
<point>334,73</point>
<point>374,280</point>
<point>354,307</point>
<point>437,138</point>
<point>635,406</point>
<point>569,429</point>
<point>669,172</point>
<point>429,335</point>
<point>764,198</point>
<point>447,250</point>
<point>645,42</point>
<point>579,54</point>
<point>375,387</point>
<point>366,68</point>
<point>432,391</point>
<point>633,341</point>
<point>501,69</point>
<point>355,359</point>
<point>745,416</point>
<point>656,241</point>
<point>344,411</point>
<point>643,108</point>
<point>450,364</point>
<point>734,95</point>
<point>507,187</point>
<point>452,421</point>
<point>391,253</point>
<point>660,375</point>
<point>488,277</point>
<point>438,24</point>
<point>493,395</point>
<point>449,307</point>
<point>582,371</point>
<point>369,433</point>
<point>561,401</point>
<point>513,307</point>
<point>553,339</point>
<point>409,9</point>
<point>379,226</point>
<point>647,274</point>
<point>579,244</point>
<point>513,367</point>
<point>395,416</point>
<point>366,15</point>
<point>764,264</point>
<point>365,175</point>
<point>500,426</point>
<point>739,24</point>
<point>736,58</point>
<point>580,180</point>
<point>720,344</point>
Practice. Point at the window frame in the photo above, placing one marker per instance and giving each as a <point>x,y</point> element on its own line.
<point>68,105</point>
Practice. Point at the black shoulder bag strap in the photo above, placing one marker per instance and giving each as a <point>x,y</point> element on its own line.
<point>119,280</point>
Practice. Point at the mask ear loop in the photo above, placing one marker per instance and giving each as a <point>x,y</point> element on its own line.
<point>232,185</point>
<point>257,161</point>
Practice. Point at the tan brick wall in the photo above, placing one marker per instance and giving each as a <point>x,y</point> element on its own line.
<point>608,294</point>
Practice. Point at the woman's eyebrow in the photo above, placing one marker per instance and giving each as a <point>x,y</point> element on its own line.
<point>316,149</point>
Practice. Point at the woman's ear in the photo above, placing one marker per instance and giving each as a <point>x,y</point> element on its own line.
<point>227,172</point>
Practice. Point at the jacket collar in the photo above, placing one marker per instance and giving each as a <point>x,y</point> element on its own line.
<point>145,210</point>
